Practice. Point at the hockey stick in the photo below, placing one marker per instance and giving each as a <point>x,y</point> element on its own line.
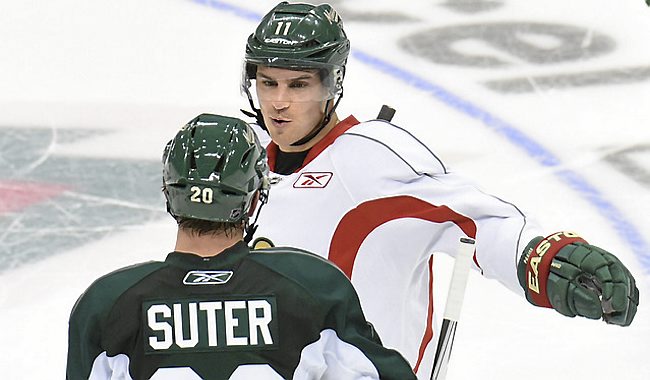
<point>452,309</point>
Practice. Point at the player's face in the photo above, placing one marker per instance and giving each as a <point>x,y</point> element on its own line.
<point>292,103</point>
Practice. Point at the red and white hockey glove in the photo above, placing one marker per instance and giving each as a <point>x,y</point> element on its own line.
<point>564,272</point>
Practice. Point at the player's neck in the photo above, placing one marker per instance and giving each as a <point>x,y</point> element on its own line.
<point>334,120</point>
<point>205,245</point>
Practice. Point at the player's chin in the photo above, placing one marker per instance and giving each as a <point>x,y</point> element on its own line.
<point>281,137</point>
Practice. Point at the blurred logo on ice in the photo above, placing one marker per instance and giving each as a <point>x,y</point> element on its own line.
<point>17,195</point>
<point>51,203</point>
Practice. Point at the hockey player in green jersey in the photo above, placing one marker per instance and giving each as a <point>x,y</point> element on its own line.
<point>214,309</point>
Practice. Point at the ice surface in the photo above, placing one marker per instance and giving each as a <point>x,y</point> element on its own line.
<point>545,104</point>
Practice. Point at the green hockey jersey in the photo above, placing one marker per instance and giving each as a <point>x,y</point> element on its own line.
<point>276,313</point>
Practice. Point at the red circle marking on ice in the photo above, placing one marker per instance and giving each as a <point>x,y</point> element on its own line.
<point>15,195</point>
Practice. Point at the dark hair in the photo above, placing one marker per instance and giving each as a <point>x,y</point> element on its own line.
<point>201,227</point>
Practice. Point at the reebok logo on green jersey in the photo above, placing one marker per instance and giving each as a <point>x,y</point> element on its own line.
<point>207,277</point>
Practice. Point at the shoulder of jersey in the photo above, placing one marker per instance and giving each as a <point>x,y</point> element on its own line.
<point>401,142</point>
<point>300,254</point>
<point>293,260</point>
<point>123,277</point>
<point>101,295</point>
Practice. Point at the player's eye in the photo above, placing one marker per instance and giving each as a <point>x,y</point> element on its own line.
<point>299,84</point>
<point>269,83</point>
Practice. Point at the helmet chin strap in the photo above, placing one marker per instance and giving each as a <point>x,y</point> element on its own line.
<point>252,227</point>
<point>323,123</point>
<point>257,113</point>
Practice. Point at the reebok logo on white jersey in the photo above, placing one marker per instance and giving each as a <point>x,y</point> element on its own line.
<point>313,180</point>
<point>207,277</point>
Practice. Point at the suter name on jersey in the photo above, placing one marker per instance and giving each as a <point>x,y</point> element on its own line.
<point>210,324</point>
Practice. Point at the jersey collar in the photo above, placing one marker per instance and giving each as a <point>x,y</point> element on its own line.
<point>338,130</point>
<point>228,257</point>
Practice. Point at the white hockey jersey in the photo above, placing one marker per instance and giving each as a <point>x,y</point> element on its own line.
<point>378,203</point>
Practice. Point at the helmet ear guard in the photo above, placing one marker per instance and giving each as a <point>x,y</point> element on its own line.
<point>213,168</point>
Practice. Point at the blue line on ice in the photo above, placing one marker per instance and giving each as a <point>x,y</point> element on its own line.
<point>532,148</point>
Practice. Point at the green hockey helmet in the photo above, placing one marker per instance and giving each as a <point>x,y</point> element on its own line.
<point>212,170</point>
<point>299,37</point>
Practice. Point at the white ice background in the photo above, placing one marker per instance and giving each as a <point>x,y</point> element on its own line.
<point>141,69</point>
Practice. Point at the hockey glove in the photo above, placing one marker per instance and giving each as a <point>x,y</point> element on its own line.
<point>564,272</point>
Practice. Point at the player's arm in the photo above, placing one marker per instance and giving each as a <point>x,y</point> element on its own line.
<point>349,347</point>
<point>87,324</point>
<point>84,336</point>
<point>564,272</point>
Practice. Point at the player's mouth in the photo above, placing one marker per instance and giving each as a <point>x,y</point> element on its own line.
<point>280,122</point>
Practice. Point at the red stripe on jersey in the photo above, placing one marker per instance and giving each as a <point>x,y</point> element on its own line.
<point>16,195</point>
<point>338,130</point>
<point>359,222</point>
<point>428,330</point>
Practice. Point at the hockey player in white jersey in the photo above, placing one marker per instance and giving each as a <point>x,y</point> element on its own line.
<point>379,202</point>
